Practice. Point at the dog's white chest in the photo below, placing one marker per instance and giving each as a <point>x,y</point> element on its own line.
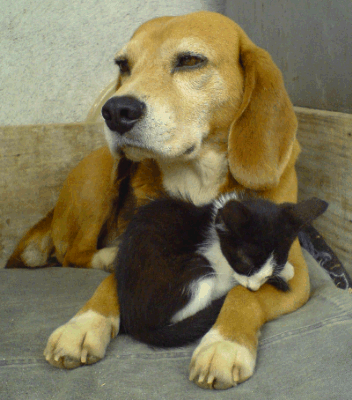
<point>198,180</point>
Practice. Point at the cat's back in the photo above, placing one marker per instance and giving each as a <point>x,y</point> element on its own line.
<point>172,220</point>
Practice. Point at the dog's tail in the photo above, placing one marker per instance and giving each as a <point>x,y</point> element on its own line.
<point>183,332</point>
<point>36,246</point>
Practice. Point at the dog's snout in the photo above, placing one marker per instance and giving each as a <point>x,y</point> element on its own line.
<point>121,113</point>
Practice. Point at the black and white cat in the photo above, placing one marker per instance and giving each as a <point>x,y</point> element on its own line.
<point>177,261</point>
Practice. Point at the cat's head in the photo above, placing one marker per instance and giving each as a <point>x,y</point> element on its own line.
<point>256,236</point>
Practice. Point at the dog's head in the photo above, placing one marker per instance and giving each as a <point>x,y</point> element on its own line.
<point>188,81</point>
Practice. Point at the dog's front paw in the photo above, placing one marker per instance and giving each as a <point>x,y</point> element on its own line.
<point>104,259</point>
<point>82,340</point>
<point>220,364</point>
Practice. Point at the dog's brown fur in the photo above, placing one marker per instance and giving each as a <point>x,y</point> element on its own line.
<point>226,125</point>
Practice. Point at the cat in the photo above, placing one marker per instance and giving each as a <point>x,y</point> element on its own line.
<point>177,261</point>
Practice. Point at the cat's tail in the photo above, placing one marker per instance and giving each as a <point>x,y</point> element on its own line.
<point>185,331</point>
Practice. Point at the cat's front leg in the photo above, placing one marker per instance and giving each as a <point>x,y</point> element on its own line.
<point>85,337</point>
<point>227,354</point>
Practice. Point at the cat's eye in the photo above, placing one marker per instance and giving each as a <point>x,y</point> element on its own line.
<point>189,61</point>
<point>123,65</point>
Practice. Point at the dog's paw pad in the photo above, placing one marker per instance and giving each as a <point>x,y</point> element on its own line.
<point>220,364</point>
<point>82,340</point>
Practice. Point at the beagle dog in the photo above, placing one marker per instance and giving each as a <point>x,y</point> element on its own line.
<point>198,110</point>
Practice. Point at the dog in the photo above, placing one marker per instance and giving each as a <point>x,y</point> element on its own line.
<point>199,110</point>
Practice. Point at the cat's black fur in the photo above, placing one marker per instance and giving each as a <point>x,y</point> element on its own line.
<point>170,245</point>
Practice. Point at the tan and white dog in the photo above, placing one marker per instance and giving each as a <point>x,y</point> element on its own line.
<point>198,110</point>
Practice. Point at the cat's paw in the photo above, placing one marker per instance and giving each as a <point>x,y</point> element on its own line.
<point>82,340</point>
<point>220,364</point>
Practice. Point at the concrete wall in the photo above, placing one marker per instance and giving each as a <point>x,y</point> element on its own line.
<point>310,40</point>
<point>56,56</point>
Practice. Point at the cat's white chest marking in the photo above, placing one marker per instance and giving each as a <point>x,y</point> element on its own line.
<point>215,285</point>
<point>201,296</point>
<point>211,287</point>
<point>224,274</point>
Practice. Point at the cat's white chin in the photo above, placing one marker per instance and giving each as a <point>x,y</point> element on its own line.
<point>256,280</point>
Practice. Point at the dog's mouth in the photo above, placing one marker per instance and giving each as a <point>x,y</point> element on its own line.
<point>136,152</point>
<point>136,147</point>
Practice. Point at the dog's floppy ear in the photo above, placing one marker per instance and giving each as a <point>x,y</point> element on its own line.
<point>263,132</point>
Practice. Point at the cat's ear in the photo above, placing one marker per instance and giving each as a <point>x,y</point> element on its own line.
<point>304,212</point>
<point>233,217</point>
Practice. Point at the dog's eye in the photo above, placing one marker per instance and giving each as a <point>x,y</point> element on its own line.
<point>189,61</point>
<point>123,65</point>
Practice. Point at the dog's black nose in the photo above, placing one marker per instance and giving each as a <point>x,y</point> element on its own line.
<point>121,113</point>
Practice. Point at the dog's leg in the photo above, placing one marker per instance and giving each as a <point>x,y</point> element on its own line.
<point>71,230</point>
<point>35,247</point>
<point>85,337</point>
<point>86,202</point>
<point>227,353</point>
<point>83,252</point>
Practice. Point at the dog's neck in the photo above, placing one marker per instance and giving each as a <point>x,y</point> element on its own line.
<point>198,179</point>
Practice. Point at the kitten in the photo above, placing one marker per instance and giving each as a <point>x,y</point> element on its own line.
<point>177,261</point>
